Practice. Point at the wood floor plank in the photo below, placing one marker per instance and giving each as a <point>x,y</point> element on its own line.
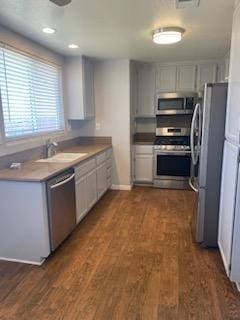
<point>132,258</point>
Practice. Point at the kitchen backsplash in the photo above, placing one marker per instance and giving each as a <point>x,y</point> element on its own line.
<point>40,152</point>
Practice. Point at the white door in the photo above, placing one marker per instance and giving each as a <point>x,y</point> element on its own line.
<point>186,78</point>
<point>88,85</point>
<point>101,179</point>
<point>233,107</point>
<point>146,91</point>
<point>235,262</point>
<point>81,200</point>
<point>166,79</point>
<point>91,188</point>
<point>227,202</point>
<point>144,168</point>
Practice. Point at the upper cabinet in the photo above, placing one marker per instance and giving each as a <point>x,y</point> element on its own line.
<point>186,78</point>
<point>207,72</point>
<point>166,79</point>
<point>176,78</point>
<point>233,107</point>
<point>146,90</point>
<point>79,75</point>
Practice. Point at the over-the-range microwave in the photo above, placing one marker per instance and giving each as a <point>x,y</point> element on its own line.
<point>176,103</point>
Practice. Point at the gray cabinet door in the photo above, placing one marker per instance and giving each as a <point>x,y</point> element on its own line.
<point>207,73</point>
<point>88,86</point>
<point>146,91</point>
<point>101,179</point>
<point>144,168</point>
<point>79,74</point>
<point>81,198</point>
<point>91,188</point>
<point>166,79</point>
<point>186,78</point>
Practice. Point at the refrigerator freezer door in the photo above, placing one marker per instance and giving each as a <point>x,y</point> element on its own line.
<point>227,203</point>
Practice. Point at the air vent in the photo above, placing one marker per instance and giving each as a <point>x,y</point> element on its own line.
<point>181,4</point>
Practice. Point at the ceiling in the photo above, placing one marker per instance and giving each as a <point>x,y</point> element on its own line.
<point>122,28</point>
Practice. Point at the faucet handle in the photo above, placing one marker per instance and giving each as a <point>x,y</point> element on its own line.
<point>55,143</point>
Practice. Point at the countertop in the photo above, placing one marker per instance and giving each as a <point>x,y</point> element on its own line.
<point>42,171</point>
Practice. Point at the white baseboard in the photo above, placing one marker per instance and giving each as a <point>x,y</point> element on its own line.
<point>124,187</point>
<point>226,267</point>
<point>36,263</point>
<point>238,286</point>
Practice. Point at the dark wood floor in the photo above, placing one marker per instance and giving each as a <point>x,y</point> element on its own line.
<point>132,258</point>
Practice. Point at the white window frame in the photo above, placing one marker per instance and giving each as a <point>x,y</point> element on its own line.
<point>33,136</point>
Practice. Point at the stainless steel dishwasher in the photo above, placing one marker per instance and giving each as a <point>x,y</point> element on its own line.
<point>61,207</point>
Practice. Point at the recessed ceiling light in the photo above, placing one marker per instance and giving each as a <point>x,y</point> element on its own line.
<point>168,35</point>
<point>48,30</point>
<point>73,46</point>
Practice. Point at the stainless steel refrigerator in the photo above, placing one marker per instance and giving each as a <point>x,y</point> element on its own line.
<point>207,142</point>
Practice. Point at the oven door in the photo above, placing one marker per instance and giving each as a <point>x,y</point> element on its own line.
<point>172,169</point>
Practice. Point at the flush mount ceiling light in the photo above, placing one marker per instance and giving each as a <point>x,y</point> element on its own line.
<point>48,30</point>
<point>61,3</point>
<point>73,46</point>
<point>168,35</point>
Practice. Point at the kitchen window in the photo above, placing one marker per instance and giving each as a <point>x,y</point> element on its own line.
<point>30,95</point>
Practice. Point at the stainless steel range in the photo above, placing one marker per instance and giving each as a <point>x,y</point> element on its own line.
<point>172,158</point>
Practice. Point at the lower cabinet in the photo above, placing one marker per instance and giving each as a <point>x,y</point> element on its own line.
<point>81,200</point>
<point>144,168</point>
<point>101,179</point>
<point>143,164</point>
<point>92,181</point>
<point>91,188</point>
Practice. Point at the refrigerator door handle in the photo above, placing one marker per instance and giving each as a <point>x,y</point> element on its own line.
<point>190,181</point>
<point>195,116</point>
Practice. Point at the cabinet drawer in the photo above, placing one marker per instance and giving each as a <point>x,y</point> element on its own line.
<point>101,158</point>
<point>109,153</point>
<point>85,168</point>
<point>143,149</point>
<point>109,163</point>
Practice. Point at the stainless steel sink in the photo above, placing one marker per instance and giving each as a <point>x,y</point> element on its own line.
<point>64,157</point>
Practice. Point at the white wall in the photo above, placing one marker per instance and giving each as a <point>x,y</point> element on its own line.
<point>112,99</point>
<point>19,42</point>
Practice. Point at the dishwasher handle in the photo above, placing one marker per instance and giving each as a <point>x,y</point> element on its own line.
<point>63,181</point>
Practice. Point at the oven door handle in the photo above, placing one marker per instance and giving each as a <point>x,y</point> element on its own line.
<point>170,153</point>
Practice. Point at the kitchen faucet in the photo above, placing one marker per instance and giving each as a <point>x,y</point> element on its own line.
<point>51,148</point>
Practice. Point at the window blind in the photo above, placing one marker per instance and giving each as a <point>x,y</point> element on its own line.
<point>30,94</point>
